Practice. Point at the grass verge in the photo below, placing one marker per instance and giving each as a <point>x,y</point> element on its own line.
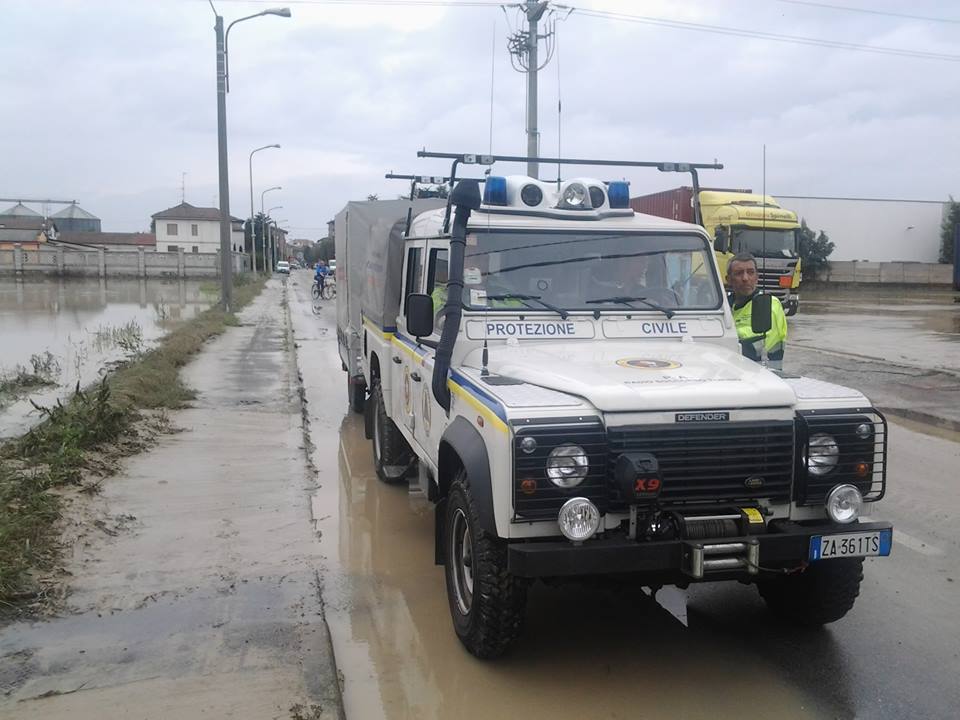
<point>74,438</point>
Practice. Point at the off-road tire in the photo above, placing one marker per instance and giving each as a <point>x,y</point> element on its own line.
<point>821,594</point>
<point>391,453</point>
<point>357,392</point>
<point>791,309</point>
<point>494,618</point>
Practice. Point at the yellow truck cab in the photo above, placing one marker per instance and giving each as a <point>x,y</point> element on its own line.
<point>740,221</point>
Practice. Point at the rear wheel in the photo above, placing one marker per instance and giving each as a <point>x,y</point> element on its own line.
<point>391,454</point>
<point>357,392</point>
<point>486,601</point>
<point>821,594</point>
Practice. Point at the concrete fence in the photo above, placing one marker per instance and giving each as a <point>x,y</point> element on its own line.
<point>104,263</point>
<point>882,273</point>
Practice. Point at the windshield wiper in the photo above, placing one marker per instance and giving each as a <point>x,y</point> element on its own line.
<point>626,300</point>
<point>515,296</point>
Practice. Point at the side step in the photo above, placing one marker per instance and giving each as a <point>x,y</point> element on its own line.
<point>703,558</point>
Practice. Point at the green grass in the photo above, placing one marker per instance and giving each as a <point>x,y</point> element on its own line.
<point>60,449</point>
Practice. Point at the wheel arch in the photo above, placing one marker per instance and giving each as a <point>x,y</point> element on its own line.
<point>462,446</point>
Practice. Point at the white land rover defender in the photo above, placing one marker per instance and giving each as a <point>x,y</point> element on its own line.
<point>562,377</point>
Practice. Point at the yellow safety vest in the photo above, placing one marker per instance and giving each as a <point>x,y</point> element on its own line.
<point>775,338</point>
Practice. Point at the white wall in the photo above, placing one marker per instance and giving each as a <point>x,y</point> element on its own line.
<point>207,239</point>
<point>875,230</point>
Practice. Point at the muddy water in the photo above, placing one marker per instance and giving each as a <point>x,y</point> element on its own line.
<point>913,327</point>
<point>72,319</point>
<point>586,651</point>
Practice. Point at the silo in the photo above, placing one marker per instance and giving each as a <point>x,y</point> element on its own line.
<point>74,218</point>
<point>20,210</point>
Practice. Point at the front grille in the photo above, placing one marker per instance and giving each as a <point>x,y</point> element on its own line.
<point>712,461</point>
<point>547,498</point>
<point>769,280</point>
<point>852,451</point>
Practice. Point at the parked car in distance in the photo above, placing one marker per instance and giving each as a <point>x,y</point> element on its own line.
<point>283,267</point>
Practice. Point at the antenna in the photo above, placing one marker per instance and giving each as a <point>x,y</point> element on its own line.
<point>183,187</point>
<point>493,65</point>
<point>763,228</point>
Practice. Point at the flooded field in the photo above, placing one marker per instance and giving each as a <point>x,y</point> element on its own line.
<point>57,332</point>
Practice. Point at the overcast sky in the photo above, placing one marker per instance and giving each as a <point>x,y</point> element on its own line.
<point>111,101</point>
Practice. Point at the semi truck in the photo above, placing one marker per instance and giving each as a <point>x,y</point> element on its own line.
<point>739,220</point>
<point>560,378</point>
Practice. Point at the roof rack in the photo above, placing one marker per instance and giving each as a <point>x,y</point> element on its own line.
<point>482,159</point>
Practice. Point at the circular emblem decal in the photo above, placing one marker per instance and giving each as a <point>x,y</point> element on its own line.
<point>648,364</point>
<point>754,483</point>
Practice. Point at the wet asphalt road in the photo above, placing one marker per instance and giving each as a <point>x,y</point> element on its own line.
<point>608,653</point>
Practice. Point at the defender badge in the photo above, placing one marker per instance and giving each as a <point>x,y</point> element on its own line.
<point>754,483</point>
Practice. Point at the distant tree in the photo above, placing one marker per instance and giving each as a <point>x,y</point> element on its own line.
<point>814,250</point>
<point>326,250</point>
<point>950,221</point>
<point>433,191</point>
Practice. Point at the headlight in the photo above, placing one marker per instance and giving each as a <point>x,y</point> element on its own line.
<point>578,519</point>
<point>822,455</point>
<point>864,431</point>
<point>844,503</point>
<point>567,465</point>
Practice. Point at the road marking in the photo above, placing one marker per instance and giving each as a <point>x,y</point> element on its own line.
<point>915,544</point>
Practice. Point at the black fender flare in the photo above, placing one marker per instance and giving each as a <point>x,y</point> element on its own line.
<point>462,439</point>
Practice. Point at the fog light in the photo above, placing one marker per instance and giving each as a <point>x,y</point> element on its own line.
<point>844,503</point>
<point>578,519</point>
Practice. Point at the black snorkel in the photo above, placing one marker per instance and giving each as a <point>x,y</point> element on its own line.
<point>465,198</point>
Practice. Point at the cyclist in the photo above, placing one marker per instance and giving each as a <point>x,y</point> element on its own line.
<point>319,277</point>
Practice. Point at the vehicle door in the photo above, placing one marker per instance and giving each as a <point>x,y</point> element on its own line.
<point>432,417</point>
<point>405,364</point>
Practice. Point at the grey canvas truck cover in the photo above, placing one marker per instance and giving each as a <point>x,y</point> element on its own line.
<point>369,239</point>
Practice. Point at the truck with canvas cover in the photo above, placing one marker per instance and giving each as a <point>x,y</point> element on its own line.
<point>740,221</point>
<point>561,378</point>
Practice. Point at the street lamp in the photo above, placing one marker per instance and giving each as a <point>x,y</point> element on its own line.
<point>223,87</point>
<point>253,235</point>
<point>264,227</point>
<point>273,242</point>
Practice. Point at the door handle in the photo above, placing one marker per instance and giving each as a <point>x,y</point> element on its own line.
<point>415,376</point>
<point>396,359</point>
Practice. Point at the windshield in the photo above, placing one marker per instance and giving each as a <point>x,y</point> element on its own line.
<point>766,243</point>
<point>507,270</point>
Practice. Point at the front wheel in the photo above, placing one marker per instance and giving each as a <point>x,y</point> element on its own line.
<point>486,601</point>
<point>316,292</point>
<point>391,453</point>
<point>823,593</point>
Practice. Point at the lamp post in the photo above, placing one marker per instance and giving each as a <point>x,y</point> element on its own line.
<point>253,235</point>
<point>223,87</point>
<point>263,214</point>
<point>273,249</point>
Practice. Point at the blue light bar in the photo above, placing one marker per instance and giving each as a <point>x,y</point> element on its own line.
<point>495,190</point>
<point>618,194</point>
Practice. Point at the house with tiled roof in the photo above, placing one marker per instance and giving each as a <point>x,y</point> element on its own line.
<point>195,229</point>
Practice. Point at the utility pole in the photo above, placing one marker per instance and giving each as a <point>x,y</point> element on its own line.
<point>226,252</point>
<point>523,45</point>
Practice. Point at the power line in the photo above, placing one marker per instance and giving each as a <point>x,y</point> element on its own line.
<point>845,8</point>
<point>759,34</point>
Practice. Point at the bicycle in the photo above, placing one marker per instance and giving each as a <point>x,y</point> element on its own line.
<point>316,291</point>
<point>329,290</point>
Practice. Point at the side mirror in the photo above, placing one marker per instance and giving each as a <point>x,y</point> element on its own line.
<point>419,315</point>
<point>721,241</point>
<point>761,314</point>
